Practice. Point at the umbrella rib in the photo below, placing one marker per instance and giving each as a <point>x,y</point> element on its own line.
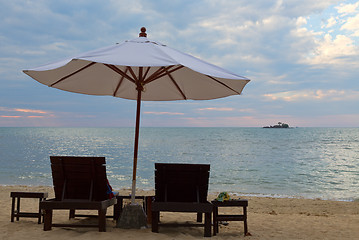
<point>223,84</point>
<point>147,70</point>
<point>140,72</point>
<point>154,75</point>
<point>178,88</point>
<point>71,74</point>
<point>119,84</point>
<point>169,72</point>
<point>133,74</point>
<point>164,72</point>
<point>119,71</point>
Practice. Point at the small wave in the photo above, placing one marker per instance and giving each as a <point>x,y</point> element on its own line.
<point>237,194</point>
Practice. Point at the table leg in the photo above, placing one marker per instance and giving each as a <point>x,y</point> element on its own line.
<point>245,221</point>
<point>148,201</point>
<point>120,205</point>
<point>72,213</point>
<point>199,217</point>
<point>116,210</point>
<point>18,209</point>
<point>39,218</point>
<point>13,209</point>
<point>215,221</point>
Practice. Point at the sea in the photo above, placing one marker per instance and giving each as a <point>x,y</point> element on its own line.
<point>296,162</point>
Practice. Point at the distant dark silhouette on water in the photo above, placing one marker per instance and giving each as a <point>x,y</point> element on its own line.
<point>279,125</point>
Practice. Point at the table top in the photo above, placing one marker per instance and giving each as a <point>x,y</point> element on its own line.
<point>129,197</point>
<point>229,203</point>
<point>29,194</point>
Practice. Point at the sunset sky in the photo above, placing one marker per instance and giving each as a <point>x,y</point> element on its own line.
<point>302,57</point>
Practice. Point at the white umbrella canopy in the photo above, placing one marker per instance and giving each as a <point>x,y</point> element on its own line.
<point>142,70</point>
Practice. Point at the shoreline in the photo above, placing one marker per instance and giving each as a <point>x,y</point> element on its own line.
<point>214,192</point>
<point>268,218</point>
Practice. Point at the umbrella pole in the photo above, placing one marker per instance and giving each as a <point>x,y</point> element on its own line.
<point>137,133</point>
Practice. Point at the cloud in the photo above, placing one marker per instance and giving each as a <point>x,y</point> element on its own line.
<point>331,22</point>
<point>237,121</point>
<point>55,46</point>
<point>352,24</point>
<point>227,109</point>
<point>270,37</point>
<point>216,109</point>
<point>164,113</point>
<point>5,109</point>
<point>345,9</point>
<point>35,116</point>
<point>132,7</point>
<point>10,116</point>
<point>28,111</point>
<point>336,46</point>
<point>2,116</point>
<point>23,114</point>
<point>322,95</point>
<point>335,50</point>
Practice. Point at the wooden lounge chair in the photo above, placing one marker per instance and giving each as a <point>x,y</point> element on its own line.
<point>182,188</point>
<point>79,183</point>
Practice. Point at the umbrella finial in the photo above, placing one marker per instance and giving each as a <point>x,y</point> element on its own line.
<point>143,32</point>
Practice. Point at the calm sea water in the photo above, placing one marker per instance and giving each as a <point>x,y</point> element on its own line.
<point>297,162</point>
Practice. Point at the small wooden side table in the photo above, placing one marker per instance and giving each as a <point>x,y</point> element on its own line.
<point>146,203</point>
<point>222,217</point>
<point>17,213</point>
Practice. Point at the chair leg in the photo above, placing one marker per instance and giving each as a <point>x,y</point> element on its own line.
<point>102,220</point>
<point>47,219</point>
<point>72,213</point>
<point>155,220</point>
<point>199,217</point>
<point>207,225</point>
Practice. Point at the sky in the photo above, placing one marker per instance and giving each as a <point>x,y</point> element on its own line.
<point>302,57</point>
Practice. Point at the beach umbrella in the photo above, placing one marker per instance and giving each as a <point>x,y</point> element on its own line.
<point>142,70</point>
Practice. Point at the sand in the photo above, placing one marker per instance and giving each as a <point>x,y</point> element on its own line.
<point>268,218</point>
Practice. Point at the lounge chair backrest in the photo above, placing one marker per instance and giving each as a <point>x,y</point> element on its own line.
<point>181,182</point>
<point>79,178</point>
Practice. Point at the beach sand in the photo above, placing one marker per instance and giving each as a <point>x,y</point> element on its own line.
<point>268,218</point>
